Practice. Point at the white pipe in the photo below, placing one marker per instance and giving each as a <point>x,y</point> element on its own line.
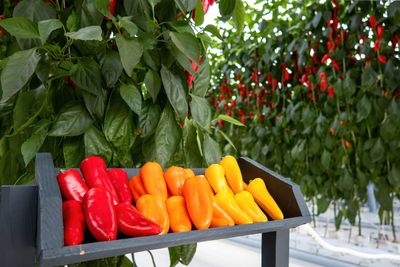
<point>373,256</point>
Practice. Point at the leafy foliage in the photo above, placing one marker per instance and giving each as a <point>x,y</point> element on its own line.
<point>79,79</point>
<point>319,94</point>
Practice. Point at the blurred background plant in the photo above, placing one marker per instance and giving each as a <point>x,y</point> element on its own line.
<point>317,85</point>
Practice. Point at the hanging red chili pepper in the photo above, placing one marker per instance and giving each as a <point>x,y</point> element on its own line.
<point>331,92</point>
<point>372,22</point>
<point>382,59</point>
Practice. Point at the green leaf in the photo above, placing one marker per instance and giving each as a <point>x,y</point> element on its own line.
<point>17,72</point>
<point>153,83</point>
<point>377,152</point>
<point>239,16</point>
<point>20,27</point>
<point>73,21</point>
<point>96,144</point>
<point>72,120</point>
<point>86,74</point>
<point>338,220</point>
<point>128,25</point>
<point>153,3</point>
<point>202,79</point>
<point>130,52</point>
<point>199,13</point>
<point>32,145</point>
<point>90,16</point>
<point>46,27</point>
<point>211,150</point>
<point>132,96</point>
<point>182,59</point>
<point>28,106</point>
<point>103,6</point>
<point>349,87</point>
<point>175,91</point>
<point>118,124</point>
<point>388,129</point>
<point>183,254</point>
<point>322,205</point>
<point>383,196</point>
<point>35,10</point>
<point>226,7</point>
<point>317,18</point>
<point>163,145</point>
<point>200,111</point>
<point>363,108</point>
<point>229,119</point>
<point>214,30</point>
<point>325,159</point>
<point>187,44</point>
<point>345,183</point>
<point>111,67</point>
<point>394,176</point>
<point>191,151</point>
<point>86,34</point>
<point>368,78</point>
<point>96,104</point>
<point>73,152</point>
<point>227,138</point>
<point>148,119</point>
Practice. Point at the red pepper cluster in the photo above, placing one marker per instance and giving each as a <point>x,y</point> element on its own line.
<point>327,64</point>
<point>102,201</point>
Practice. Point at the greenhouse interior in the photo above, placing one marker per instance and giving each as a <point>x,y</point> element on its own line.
<point>144,133</point>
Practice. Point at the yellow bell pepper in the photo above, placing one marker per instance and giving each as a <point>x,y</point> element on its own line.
<point>220,218</point>
<point>246,202</point>
<point>264,199</point>
<point>215,175</point>
<point>232,173</point>
<point>229,205</point>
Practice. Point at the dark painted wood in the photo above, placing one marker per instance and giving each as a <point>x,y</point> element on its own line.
<point>275,248</point>
<point>50,225</point>
<point>18,206</point>
<point>53,253</point>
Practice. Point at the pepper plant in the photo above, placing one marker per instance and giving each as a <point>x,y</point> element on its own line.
<point>317,85</point>
<point>122,79</point>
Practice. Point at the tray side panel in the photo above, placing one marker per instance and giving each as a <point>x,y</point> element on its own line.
<point>280,188</point>
<point>18,225</point>
<point>50,226</point>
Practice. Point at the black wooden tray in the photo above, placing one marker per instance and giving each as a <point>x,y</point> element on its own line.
<point>50,250</point>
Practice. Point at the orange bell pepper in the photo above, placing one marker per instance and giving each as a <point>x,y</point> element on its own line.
<point>153,180</point>
<point>264,199</point>
<point>178,215</point>
<point>215,175</point>
<point>189,173</point>
<point>137,188</point>
<point>232,173</point>
<point>220,217</point>
<point>154,209</point>
<point>175,178</point>
<point>246,202</point>
<point>229,205</point>
<point>196,191</point>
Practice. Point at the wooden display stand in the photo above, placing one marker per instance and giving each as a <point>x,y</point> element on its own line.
<point>31,227</point>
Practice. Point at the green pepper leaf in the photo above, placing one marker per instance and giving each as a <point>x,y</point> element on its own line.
<point>72,120</point>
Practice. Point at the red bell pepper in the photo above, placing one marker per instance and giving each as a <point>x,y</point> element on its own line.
<point>132,223</point>
<point>119,179</point>
<point>74,222</point>
<point>100,215</point>
<point>95,172</point>
<point>72,185</point>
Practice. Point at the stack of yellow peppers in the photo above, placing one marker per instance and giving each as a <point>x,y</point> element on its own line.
<point>177,199</point>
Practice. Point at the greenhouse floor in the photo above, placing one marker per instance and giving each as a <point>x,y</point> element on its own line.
<point>309,246</point>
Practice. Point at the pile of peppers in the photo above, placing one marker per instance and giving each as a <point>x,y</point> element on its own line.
<point>107,203</point>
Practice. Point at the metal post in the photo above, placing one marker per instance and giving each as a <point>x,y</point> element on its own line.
<point>275,249</point>
<point>18,208</point>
